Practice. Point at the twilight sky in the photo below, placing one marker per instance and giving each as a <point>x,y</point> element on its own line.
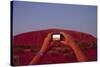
<point>31,16</point>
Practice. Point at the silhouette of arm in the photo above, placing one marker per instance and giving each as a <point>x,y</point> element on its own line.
<point>69,41</point>
<point>42,50</point>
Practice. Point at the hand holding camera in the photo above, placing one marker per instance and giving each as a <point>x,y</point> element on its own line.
<point>63,38</point>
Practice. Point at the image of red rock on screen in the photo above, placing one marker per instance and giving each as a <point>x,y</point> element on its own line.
<point>45,33</point>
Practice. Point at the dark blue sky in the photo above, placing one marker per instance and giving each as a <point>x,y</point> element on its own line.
<point>31,16</point>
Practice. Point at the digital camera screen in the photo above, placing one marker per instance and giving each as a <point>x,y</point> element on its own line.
<point>56,37</point>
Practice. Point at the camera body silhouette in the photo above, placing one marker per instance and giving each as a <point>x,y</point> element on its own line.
<point>57,37</point>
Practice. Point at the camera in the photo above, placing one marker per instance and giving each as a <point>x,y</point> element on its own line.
<point>57,37</point>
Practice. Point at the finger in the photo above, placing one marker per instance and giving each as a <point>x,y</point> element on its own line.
<point>66,36</point>
<point>49,36</point>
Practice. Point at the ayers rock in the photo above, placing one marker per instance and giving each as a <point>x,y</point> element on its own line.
<point>26,45</point>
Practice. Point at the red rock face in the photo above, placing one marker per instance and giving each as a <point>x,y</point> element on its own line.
<point>27,45</point>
